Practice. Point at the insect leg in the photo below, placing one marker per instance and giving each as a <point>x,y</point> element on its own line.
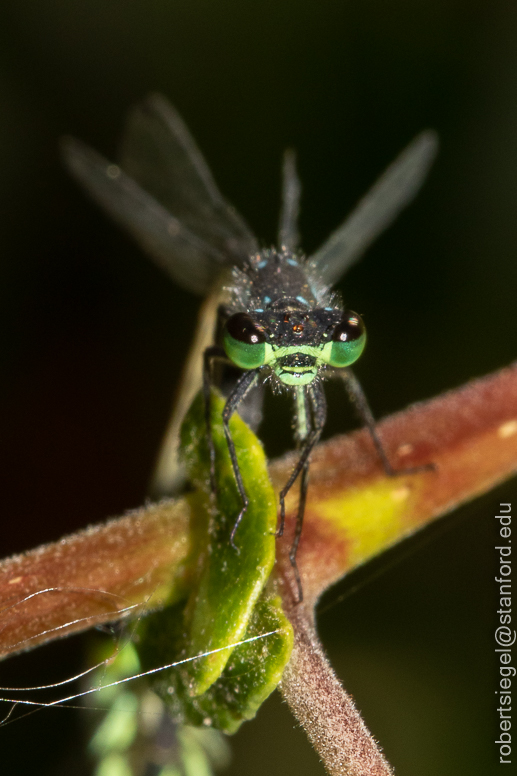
<point>358,398</point>
<point>210,354</point>
<point>314,421</point>
<point>304,485</point>
<point>302,429</point>
<point>245,383</point>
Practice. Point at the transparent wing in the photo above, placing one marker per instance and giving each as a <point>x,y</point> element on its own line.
<point>389,195</point>
<point>190,261</point>
<point>159,153</point>
<point>164,195</point>
<point>288,236</point>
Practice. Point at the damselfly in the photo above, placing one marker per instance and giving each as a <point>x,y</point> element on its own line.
<point>269,312</point>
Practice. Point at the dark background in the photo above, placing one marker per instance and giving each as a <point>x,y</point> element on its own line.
<point>93,336</point>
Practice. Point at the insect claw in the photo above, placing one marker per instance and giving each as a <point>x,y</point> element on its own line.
<point>280,529</point>
<point>281,525</point>
<point>292,558</point>
<point>236,525</point>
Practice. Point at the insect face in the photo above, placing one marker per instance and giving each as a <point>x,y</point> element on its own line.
<point>296,344</point>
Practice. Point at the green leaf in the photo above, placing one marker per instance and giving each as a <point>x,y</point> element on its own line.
<point>226,681</point>
<point>251,673</point>
<point>231,578</point>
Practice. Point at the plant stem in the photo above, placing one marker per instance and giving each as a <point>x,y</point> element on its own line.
<point>323,708</point>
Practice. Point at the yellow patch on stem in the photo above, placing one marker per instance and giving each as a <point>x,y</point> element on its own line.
<point>371,519</point>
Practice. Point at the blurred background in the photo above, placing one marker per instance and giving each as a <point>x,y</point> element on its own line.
<point>93,336</point>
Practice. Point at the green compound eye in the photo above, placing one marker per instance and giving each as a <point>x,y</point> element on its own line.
<point>348,340</point>
<point>244,341</point>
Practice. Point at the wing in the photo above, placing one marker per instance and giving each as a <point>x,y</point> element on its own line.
<point>165,197</point>
<point>159,153</point>
<point>389,195</point>
<point>288,236</point>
